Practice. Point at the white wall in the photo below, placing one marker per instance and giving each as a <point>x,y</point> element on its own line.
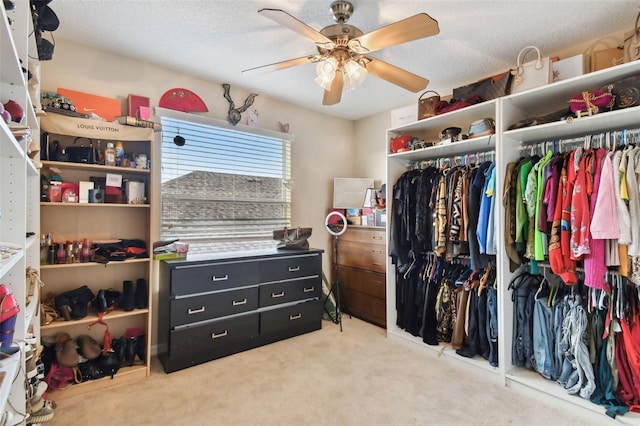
<point>323,144</point>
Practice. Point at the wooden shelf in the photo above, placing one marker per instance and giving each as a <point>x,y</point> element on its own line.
<point>93,264</point>
<point>56,325</point>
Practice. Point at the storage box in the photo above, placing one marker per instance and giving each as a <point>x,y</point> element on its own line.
<point>402,116</point>
<point>381,218</point>
<point>569,67</point>
<point>135,192</point>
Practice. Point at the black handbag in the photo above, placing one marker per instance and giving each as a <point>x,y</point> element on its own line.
<point>292,238</point>
<point>487,89</point>
<point>73,304</point>
<point>81,154</point>
<point>626,91</point>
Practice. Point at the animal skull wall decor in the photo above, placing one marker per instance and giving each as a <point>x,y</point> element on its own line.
<point>236,113</point>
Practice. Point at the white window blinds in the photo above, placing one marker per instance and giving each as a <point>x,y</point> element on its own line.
<point>224,189</point>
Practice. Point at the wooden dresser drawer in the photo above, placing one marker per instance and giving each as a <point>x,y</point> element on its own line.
<point>364,256</point>
<point>365,235</point>
<point>191,279</point>
<point>300,315</point>
<point>289,267</point>
<point>364,306</point>
<point>215,335</point>
<point>371,283</point>
<point>290,291</point>
<point>188,310</point>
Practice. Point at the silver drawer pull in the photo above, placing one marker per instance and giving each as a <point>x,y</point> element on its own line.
<point>376,264</point>
<point>274,295</point>
<point>217,336</point>
<point>294,268</point>
<point>309,290</point>
<point>295,317</point>
<point>224,278</point>
<point>376,251</point>
<point>195,311</point>
<point>239,302</point>
<point>376,238</point>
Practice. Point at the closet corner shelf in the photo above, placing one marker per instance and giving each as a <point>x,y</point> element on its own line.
<point>612,120</point>
<point>124,375</point>
<point>94,205</point>
<point>443,349</point>
<point>481,144</point>
<point>96,167</point>
<point>90,264</point>
<point>112,315</point>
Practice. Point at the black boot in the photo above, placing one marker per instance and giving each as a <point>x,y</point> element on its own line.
<point>142,294</point>
<point>128,297</point>
<point>129,352</point>
<point>140,347</point>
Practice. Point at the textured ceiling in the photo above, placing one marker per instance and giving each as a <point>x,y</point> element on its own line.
<point>217,39</point>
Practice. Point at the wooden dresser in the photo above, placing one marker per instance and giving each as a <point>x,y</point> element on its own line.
<point>362,273</point>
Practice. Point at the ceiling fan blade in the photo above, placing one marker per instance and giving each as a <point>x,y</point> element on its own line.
<point>397,76</point>
<point>333,96</point>
<point>284,19</point>
<point>413,28</point>
<point>279,65</point>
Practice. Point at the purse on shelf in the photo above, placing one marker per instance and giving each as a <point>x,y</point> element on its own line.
<point>605,57</point>
<point>482,127</point>
<point>592,102</point>
<point>625,90</point>
<point>427,106</point>
<point>631,44</point>
<point>81,154</point>
<point>532,74</point>
<point>292,238</point>
<point>489,88</point>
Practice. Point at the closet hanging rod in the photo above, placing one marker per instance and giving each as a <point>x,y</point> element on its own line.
<point>457,160</point>
<point>611,139</point>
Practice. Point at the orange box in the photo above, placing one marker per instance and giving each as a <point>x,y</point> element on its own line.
<point>86,103</point>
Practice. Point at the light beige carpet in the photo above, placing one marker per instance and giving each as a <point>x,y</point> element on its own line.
<point>356,377</point>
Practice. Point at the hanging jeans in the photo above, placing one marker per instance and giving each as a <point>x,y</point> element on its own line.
<point>543,339</point>
<point>522,351</point>
<point>492,325</point>
<point>582,379</point>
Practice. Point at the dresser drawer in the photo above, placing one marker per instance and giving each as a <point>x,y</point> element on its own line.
<point>300,315</point>
<point>371,283</point>
<point>290,291</point>
<point>213,305</point>
<point>214,336</point>
<point>204,278</point>
<point>364,306</point>
<point>365,235</point>
<point>289,267</point>
<point>364,256</point>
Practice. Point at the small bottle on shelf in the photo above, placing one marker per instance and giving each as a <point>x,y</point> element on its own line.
<point>85,256</point>
<point>70,254</point>
<point>110,155</point>
<point>43,249</point>
<point>119,154</point>
<point>61,256</point>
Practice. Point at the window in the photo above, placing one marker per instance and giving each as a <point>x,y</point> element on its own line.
<point>224,189</point>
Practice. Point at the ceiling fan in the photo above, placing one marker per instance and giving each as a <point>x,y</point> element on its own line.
<point>342,61</point>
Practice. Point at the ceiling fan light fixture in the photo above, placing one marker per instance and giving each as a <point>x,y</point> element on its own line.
<point>326,71</point>
<point>355,73</point>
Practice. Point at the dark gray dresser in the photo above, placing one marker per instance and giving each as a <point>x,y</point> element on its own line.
<point>223,304</point>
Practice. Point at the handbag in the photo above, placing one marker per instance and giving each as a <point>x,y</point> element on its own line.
<point>488,88</point>
<point>631,43</point>
<point>591,102</point>
<point>604,58</point>
<point>531,74</point>
<point>292,238</point>
<point>81,154</point>
<point>427,106</point>
<point>625,90</point>
<point>482,127</point>
<point>74,304</point>
<point>455,104</point>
